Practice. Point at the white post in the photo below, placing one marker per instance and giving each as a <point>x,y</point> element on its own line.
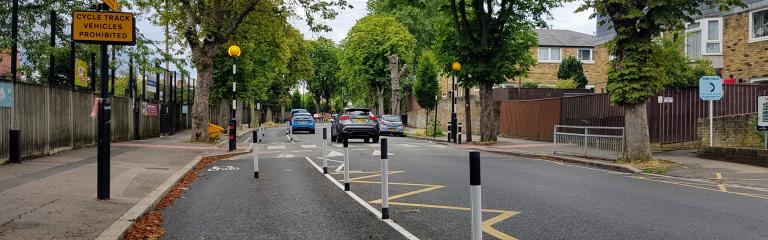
<point>325,150</point>
<point>711,130</point>
<point>346,164</point>
<point>384,180</point>
<point>475,190</point>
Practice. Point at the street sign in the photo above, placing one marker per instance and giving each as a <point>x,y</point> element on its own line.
<point>150,109</point>
<point>115,28</point>
<point>81,73</point>
<point>6,95</point>
<point>710,88</point>
<point>151,86</point>
<point>762,113</point>
<point>112,5</point>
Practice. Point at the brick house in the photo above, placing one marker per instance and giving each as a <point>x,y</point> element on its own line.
<point>555,45</point>
<point>735,41</point>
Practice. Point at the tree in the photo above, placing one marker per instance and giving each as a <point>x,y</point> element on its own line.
<point>208,25</point>
<point>325,82</point>
<point>492,40</point>
<point>395,72</point>
<point>571,69</point>
<point>671,65</point>
<point>364,63</point>
<point>296,100</point>
<point>426,88</point>
<point>630,79</point>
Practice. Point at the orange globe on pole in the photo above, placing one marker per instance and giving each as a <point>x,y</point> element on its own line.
<point>234,51</point>
<point>456,66</point>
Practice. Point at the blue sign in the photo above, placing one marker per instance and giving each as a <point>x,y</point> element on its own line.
<point>151,86</point>
<point>710,88</point>
<point>6,95</point>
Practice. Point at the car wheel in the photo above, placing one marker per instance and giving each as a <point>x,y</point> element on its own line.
<point>312,131</point>
<point>375,139</point>
<point>333,138</point>
<point>366,140</point>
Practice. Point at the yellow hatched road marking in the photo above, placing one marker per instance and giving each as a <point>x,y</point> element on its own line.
<point>719,181</point>
<point>709,189</point>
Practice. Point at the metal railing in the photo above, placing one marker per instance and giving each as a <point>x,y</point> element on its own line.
<point>600,142</point>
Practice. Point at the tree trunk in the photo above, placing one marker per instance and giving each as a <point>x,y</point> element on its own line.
<point>637,139</point>
<point>380,100</point>
<point>487,118</point>
<point>254,118</point>
<point>395,74</point>
<point>467,115</point>
<point>269,115</point>
<point>239,114</point>
<point>317,104</point>
<point>283,118</point>
<point>200,110</point>
<point>426,122</point>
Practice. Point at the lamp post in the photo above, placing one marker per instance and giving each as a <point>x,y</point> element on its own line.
<point>234,52</point>
<point>456,67</point>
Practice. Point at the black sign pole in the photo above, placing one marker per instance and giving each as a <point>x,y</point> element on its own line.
<point>102,165</point>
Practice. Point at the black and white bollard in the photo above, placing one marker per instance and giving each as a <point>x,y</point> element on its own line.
<point>459,133</point>
<point>325,150</point>
<point>346,163</point>
<point>384,180</point>
<point>475,190</point>
<point>255,153</point>
<point>449,132</point>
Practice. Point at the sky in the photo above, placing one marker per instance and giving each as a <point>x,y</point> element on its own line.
<point>562,18</point>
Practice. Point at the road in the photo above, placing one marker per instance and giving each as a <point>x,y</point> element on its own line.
<point>522,198</point>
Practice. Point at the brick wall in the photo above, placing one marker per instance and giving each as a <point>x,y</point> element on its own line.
<point>732,131</point>
<point>757,157</point>
<point>597,72</point>
<point>741,58</point>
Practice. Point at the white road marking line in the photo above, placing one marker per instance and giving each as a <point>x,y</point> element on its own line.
<point>373,145</point>
<point>309,146</point>
<point>338,145</point>
<point>246,140</point>
<point>378,153</point>
<point>334,154</point>
<point>438,146</point>
<point>275,147</point>
<point>360,149</point>
<point>407,145</point>
<point>298,151</point>
<point>365,204</point>
<point>338,169</point>
<point>285,155</point>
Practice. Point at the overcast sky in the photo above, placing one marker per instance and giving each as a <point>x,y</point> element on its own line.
<point>563,18</point>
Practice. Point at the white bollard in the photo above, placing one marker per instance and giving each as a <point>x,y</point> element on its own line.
<point>384,180</point>
<point>325,151</point>
<point>475,190</point>
<point>346,164</point>
<point>255,154</point>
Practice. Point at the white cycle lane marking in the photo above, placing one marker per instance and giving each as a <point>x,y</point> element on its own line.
<point>224,168</point>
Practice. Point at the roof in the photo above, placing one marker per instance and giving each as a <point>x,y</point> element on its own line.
<point>564,38</point>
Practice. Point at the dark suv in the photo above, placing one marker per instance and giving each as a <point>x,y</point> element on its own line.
<point>357,123</point>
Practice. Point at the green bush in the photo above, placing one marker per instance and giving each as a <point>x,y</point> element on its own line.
<point>530,84</point>
<point>571,68</point>
<point>431,127</point>
<point>567,84</point>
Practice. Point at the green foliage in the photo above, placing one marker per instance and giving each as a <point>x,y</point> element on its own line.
<point>309,102</point>
<point>567,84</point>
<point>632,77</point>
<point>571,69</point>
<point>432,130</point>
<point>530,84</point>
<point>426,88</point>
<point>672,66</point>
<point>296,100</point>
<point>324,54</point>
<point>364,59</point>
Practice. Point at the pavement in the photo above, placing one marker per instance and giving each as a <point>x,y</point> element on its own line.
<point>54,197</point>
<point>523,198</point>
<point>689,165</point>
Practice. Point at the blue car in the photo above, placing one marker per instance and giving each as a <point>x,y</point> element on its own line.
<point>303,122</point>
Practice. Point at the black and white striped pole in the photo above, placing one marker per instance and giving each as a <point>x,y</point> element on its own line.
<point>384,180</point>
<point>459,133</point>
<point>475,190</point>
<point>325,150</point>
<point>255,153</point>
<point>346,163</point>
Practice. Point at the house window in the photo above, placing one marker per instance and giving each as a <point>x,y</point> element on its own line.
<point>704,37</point>
<point>586,55</point>
<point>549,54</point>
<point>758,25</point>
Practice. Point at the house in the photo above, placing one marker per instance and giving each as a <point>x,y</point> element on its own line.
<point>5,65</point>
<point>735,41</point>
<point>555,45</point>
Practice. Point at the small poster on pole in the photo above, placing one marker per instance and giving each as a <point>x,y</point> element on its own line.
<point>6,95</point>
<point>81,73</point>
<point>762,113</point>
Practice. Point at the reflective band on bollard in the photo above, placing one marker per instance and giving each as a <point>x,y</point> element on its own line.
<point>255,154</point>
<point>346,164</point>
<point>325,151</point>
<point>475,190</point>
<point>384,180</point>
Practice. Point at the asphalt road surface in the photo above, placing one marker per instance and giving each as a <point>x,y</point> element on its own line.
<point>429,197</point>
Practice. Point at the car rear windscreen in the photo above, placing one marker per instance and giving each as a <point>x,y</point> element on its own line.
<point>357,112</point>
<point>392,118</point>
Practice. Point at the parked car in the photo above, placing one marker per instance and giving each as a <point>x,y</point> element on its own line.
<point>391,124</point>
<point>357,123</point>
<point>290,116</point>
<point>303,122</point>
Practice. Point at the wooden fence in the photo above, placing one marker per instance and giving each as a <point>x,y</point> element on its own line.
<point>672,114</point>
